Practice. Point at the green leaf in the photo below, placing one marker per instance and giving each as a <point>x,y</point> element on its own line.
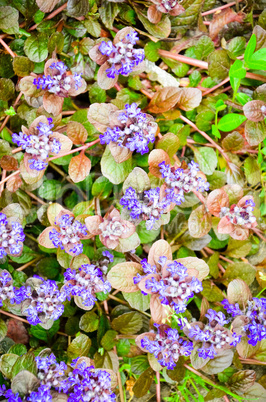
<point>50,190</point>
<point>231,121</point>
<point>250,49</point>
<point>48,267</point>
<point>238,248</point>
<point>207,159</point>
<point>43,334</point>
<point>252,171</point>
<point>36,47</point>
<point>108,11</point>
<point>3,329</point>
<point>145,235</point>
<point>22,66</point>
<point>77,8</point>
<point>236,47</point>
<point>93,27</point>
<point>203,47</point>
<point>219,64</point>
<point>56,42</point>
<point>27,255</point>
<point>108,340</point>
<point>123,348</point>
<point>213,265</point>
<point>189,18</point>
<point>101,188</point>
<point>139,364</point>
<point>89,322</point>
<point>257,60</point>
<point>240,270</point>
<point>6,364</point>
<point>97,94</point>
<point>18,349</point>
<point>211,292</point>
<point>237,70</point>
<point>115,172</point>
<point>7,89</point>
<point>128,323</point>
<point>9,20</point>
<point>80,346</point>
<point>25,362</point>
<point>160,30</point>
<point>151,51</point>
<point>137,300</point>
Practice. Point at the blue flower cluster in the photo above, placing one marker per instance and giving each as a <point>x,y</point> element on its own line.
<point>8,291</point>
<point>134,132</point>
<point>41,395</point>
<point>44,302</point>
<point>59,82</point>
<point>69,235</point>
<point>254,316</point>
<point>9,395</point>
<point>87,384</point>
<point>85,283</point>
<point>214,336</point>
<point>121,56</point>
<point>180,181</point>
<point>39,146</point>
<point>167,346</point>
<point>173,284</point>
<point>11,236</point>
<point>50,373</point>
<point>145,206</point>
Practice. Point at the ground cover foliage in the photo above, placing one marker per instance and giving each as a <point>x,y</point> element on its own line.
<point>133,205</point>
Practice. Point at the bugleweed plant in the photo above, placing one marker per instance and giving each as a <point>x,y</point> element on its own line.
<point>132,201</point>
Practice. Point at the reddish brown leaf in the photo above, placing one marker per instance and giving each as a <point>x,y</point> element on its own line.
<point>221,19</point>
<point>47,5</point>
<point>200,222</point>
<point>79,168</point>
<point>17,331</point>
<point>76,132</point>
<point>154,15</point>
<point>189,99</point>
<point>14,183</point>
<point>52,103</point>
<point>9,163</point>
<point>252,110</point>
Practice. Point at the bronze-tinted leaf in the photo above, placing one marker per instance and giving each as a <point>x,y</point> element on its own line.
<point>99,115</point>
<point>79,167</point>
<point>52,103</point>
<point>164,100</point>
<point>200,222</point>
<point>216,200</point>
<point>233,141</point>
<point>154,15</point>
<point>252,110</point>
<point>189,99</point>
<point>47,5</point>
<point>76,132</point>
<point>121,276</point>
<point>156,157</point>
<point>143,383</point>
<point>255,132</point>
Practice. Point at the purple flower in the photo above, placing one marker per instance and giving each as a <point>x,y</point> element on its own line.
<point>88,384</point>
<point>50,373</point>
<point>11,236</point>
<point>148,206</point>
<point>42,395</point>
<point>43,302</point>
<point>38,146</point>
<point>173,285</point>
<point>59,82</point>
<point>180,181</point>
<point>252,321</point>
<point>122,58</point>
<point>213,336</point>
<point>133,131</point>
<point>85,283</point>
<point>68,234</point>
<point>9,395</point>
<point>7,290</point>
<point>167,345</point>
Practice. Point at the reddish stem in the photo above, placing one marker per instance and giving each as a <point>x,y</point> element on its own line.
<point>28,264</point>
<point>84,147</point>
<point>183,59</point>
<point>187,121</point>
<point>216,87</point>
<point>214,10</point>
<point>3,43</point>
<point>50,16</point>
<point>158,387</point>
